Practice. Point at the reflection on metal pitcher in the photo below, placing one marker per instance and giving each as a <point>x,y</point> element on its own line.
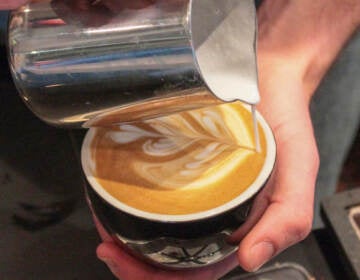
<point>98,67</point>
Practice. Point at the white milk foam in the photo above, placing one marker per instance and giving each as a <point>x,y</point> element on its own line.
<point>209,138</point>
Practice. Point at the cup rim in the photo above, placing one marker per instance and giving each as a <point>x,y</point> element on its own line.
<point>259,182</point>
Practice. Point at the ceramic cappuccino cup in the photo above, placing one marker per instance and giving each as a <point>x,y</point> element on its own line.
<point>171,190</point>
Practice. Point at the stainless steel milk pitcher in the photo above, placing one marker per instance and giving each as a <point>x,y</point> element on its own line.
<point>94,66</point>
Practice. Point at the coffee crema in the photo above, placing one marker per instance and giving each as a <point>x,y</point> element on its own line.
<point>179,164</point>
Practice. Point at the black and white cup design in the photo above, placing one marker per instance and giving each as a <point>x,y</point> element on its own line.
<point>174,241</point>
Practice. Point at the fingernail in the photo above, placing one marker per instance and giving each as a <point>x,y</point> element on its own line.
<point>260,254</point>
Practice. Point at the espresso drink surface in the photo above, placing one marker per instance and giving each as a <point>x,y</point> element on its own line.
<point>179,164</point>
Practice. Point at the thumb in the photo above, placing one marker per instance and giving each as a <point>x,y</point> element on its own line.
<point>288,218</point>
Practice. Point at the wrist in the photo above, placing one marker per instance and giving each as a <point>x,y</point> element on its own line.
<point>341,20</point>
<point>303,38</point>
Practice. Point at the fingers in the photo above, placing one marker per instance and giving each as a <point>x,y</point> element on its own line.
<point>102,232</point>
<point>86,14</point>
<point>118,5</point>
<point>258,208</point>
<point>122,265</point>
<point>94,13</point>
<point>288,218</point>
<point>125,267</point>
<point>277,230</point>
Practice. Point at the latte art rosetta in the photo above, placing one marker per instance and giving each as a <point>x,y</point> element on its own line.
<point>186,152</point>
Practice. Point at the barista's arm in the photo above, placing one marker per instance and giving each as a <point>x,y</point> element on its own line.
<point>298,42</point>
<point>304,37</point>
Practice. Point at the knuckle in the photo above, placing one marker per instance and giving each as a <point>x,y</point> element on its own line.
<point>299,229</point>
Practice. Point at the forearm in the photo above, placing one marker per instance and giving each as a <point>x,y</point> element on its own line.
<point>337,23</point>
<point>305,37</point>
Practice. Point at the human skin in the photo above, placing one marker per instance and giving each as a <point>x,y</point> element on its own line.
<point>114,5</point>
<point>11,4</point>
<point>298,42</point>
